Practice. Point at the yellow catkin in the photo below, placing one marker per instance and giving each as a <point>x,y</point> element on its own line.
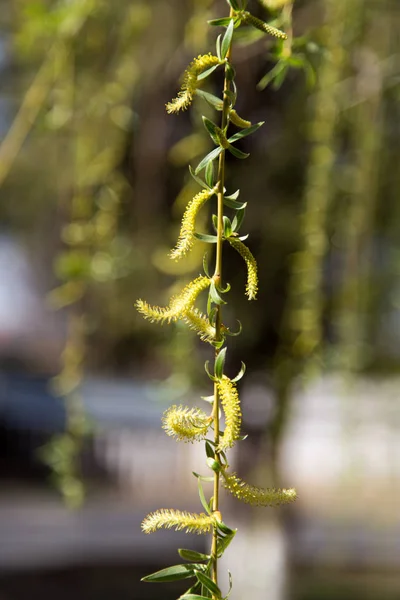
<point>233,417</point>
<point>252,276</point>
<point>186,424</point>
<point>190,82</point>
<point>200,324</point>
<point>186,235</point>
<point>237,120</point>
<point>250,19</point>
<point>170,518</point>
<point>255,495</point>
<point>178,305</point>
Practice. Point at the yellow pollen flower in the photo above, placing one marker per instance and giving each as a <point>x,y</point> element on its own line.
<point>186,236</point>
<point>252,276</point>
<point>170,518</point>
<point>178,306</point>
<point>190,82</point>
<point>233,417</point>
<point>186,424</point>
<point>255,495</point>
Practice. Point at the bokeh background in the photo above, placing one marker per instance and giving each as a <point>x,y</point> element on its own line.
<point>94,178</point>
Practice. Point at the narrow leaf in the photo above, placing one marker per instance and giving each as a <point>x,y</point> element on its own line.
<point>202,497</point>
<point>245,132</point>
<point>227,227</point>
<point>171,574</point>
<point>209,584</point>
<point>192,555</point>
<point>233,204</point>
<point>204,237</point>
<point>238,220</point>
<point>227,40</point>
<point>206,73</point>
<point>209,174</point>
<point>220,22</point>
<point>238,153</point>
<point>218,46</point>
<point>219,364</point>
<point>212,100</point>
<point>210,156</point>
<point>198,179</point>
<point>240,374</point>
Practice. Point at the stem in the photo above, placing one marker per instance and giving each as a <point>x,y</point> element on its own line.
<point>217,279</point>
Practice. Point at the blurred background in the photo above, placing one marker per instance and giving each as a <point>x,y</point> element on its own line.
<point>93,181</point>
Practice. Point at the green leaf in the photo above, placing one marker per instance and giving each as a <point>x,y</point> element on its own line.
<point>198,179</point>
<point>245,132</point>
<point>227,227</point>
<point>212,100</point>
<point>192,555</point>
<point>219,364</point>
<point>233,204</point>
<point>209,174</point>
<point>240,374</point>
<point>209,399</point>
<point>209,449</point>
<point>238,153</point>
<point>227,40</point>
<point>204,237</point>
<point>202,497</point>
<point>171,574</point>
<point>233,334</point>
<point>208,371</point>
<point>223,543</point>
<point>218,46</point>
<point>203,477</point>
<point>238,220</point>
<point>209,584</point>
<point>214,295</point>
<point>210,156</point>
<point>212,129</point>
<point>220,22</point>
<point>225,529</point>
<point>206,73</point>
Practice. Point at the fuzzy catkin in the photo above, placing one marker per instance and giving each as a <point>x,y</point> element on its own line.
<point>190,82</point>
<point>186,235</point>
<point>233,417</point>
<point>255,495</point>
<point>250,19</point>
<point>170,518</point>
<point>178,306</point>
<point>251,263</point>
<point>200,324</point>
<point>185,424</point>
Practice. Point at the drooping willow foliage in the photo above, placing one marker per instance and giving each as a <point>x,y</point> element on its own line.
<point>194,424</point>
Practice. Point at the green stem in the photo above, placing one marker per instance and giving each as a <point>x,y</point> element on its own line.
<point>218,321</point>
